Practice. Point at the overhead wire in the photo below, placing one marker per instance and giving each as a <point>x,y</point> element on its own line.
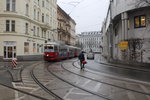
<point>75,6</point>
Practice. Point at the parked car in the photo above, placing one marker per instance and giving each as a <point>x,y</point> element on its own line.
<point>90,55</point>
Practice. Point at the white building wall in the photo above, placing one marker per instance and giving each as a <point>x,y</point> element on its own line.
<point>131,9</point>
<point>20,18</point>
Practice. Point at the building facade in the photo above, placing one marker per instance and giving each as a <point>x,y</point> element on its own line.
<point>72,32</point>
<point>125,31</point>
<point>90,41</point>
<point>25,25</point>
<point>66,27</point>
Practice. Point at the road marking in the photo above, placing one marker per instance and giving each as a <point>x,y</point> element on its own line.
<point>86,83</point>
<point>131,96</point>
<point>97,87</point>
<point>67,94</point>
<point>80,93</point>
<point>16,92</point>
<point>23,87</point>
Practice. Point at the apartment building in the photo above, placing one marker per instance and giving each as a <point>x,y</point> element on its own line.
<point>25,25</point>
<point>90,41</point>
<point>66,27</point>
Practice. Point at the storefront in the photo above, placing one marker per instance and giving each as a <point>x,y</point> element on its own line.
<point>9,49</point>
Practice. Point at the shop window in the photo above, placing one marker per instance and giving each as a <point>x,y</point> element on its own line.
<point>38,48</point>
<point>26,48</point>
<point>140,21</point>
<point>9,49</point>
<point>34,47</point>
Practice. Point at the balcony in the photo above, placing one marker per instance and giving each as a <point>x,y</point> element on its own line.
<point>45,26</point>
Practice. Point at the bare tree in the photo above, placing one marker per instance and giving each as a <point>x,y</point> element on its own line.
<point>135,46</point>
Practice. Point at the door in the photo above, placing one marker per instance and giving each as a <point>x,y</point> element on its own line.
<point>9,51</point>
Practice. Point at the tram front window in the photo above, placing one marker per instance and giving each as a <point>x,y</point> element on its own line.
<point>49,48</point>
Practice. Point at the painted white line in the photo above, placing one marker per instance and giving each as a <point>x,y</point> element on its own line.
<point>23,87</point>
<point>16,92</point>
<point>97,87</point>
<point>67,94</point>
<point>131,96</point>
<point>36,89</point>
<point>86,83</point>
<point>21,98</point>
<point>80,93</point>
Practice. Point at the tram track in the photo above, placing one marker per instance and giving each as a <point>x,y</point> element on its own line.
<point>148,94</point>
<point>109,75</point>
<point>44,87</point>
<point>30,81</point>
<point>91,92</point>
<point>60,70</point>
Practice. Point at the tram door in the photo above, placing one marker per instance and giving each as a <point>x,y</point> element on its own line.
<point>9,50</point>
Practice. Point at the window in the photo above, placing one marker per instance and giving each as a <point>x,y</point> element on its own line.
<point>34,47</point>
<point>43,3</point>
<point>34,30</point>
<point>27,26</point>
<point>11,5</point>
<point>47,18</point>
<point>38,15</point>
<point>7,26</point>
<point>34,14</point>
<point>42,48</point>
<point>43,18</point>
<point>10,26</point>
<point>47,4</point>
<point>38,47</point>
<point>27,9</point>
<point>26,48</point>
<point>13,26</point>
<point>38,31</point>
<point>8,5</point>
<point>9,49</point>
<point>140,21</point>
<point>38,2</point>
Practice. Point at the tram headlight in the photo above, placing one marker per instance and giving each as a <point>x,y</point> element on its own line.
<point>47,55</point>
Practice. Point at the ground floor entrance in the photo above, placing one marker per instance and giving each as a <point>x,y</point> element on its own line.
<point>9,49</point>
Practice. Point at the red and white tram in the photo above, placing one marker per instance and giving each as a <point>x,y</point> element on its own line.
<point>55,51</point>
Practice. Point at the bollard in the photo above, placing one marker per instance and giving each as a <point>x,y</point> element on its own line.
<point>15,71</point>
<point>14,63</point>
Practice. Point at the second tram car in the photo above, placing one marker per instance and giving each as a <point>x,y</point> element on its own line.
<point>55,51</point>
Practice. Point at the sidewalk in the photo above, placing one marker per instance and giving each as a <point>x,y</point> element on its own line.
<point>104,61</point>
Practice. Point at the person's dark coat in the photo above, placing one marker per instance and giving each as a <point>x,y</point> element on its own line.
<point>81,57</point>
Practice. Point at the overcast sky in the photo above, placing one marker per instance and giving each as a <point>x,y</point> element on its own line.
<point>88,14</point>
